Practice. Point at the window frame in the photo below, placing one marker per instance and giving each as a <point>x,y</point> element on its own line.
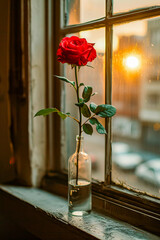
<point>125,204</point>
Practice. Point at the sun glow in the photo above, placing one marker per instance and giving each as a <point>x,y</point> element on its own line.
<point>132,62</point>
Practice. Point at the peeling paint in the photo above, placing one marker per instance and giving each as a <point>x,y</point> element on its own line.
<point>37,126</point>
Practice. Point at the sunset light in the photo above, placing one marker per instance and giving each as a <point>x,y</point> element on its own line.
<point>132,62</point>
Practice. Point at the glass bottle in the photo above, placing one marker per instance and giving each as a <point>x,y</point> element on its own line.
<point>79,181</point>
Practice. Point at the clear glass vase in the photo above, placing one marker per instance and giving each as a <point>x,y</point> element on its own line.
<point>79,181</point>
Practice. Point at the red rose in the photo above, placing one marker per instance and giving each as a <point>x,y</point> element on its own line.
<point>76,51</point>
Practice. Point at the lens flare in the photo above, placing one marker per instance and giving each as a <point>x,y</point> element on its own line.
<point>132,62</point>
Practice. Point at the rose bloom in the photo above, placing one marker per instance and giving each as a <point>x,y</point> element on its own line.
<point>76,51</point>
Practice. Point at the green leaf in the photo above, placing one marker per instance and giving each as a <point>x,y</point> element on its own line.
<point>94,121</point>
<point>86,99</point>
<point>46,111</point>
<point>62,115</point>
<point>81,84</point>
<point>105,110</point>
<point>93,107</point>
<point>87,128</point>
<point>65,80</point>
<point>100,129</point>
<point>100,108</point>
<point>87,92</point>
<point>79,104</point>
<point>85,111</point>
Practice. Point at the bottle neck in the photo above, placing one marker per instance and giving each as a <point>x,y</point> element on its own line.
<point>79,140</point>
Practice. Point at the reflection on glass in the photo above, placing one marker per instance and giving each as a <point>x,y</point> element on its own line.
<point>79,11</point>
<point>125,5</point>
<point>136,95</point>
<point>94,145</point>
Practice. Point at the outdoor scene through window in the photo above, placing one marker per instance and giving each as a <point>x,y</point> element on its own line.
<point>79,11</point>
<point>136,95</point>
<point>120,6</point>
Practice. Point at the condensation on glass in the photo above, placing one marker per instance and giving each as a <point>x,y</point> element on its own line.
<point>95,144</point>
<point>79,11</point>
<point>120,6</point>
<point>136,95</point>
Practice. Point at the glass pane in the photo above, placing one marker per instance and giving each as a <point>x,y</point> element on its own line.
<point>79,11</point>
<point>136,95</point>
<point>93,145</point>
<point>125,5</point>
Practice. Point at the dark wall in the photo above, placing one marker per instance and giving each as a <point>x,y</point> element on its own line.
<point>10,231</point>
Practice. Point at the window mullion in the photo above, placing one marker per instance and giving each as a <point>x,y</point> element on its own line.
<point>108,77</point>
<point>133,15</point>
<point>83,26</point>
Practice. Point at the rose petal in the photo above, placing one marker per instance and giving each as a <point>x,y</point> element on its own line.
<point>75,50</point>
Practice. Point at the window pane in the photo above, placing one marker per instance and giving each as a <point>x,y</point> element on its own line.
<point>136,95</point>
<point>79,11</point>
<point>93,145</point>
<point>125,5</point>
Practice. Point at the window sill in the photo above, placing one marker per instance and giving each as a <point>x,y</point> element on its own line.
<point>138,210</point>
<point>45,215</point>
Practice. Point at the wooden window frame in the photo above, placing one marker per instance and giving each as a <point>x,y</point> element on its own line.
<point>134,207</point>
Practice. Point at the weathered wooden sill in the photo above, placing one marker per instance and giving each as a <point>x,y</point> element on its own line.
<point>136,209</point>
<point>45,215</point>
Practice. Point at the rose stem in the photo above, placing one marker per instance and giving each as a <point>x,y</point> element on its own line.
<point>80,120</point>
